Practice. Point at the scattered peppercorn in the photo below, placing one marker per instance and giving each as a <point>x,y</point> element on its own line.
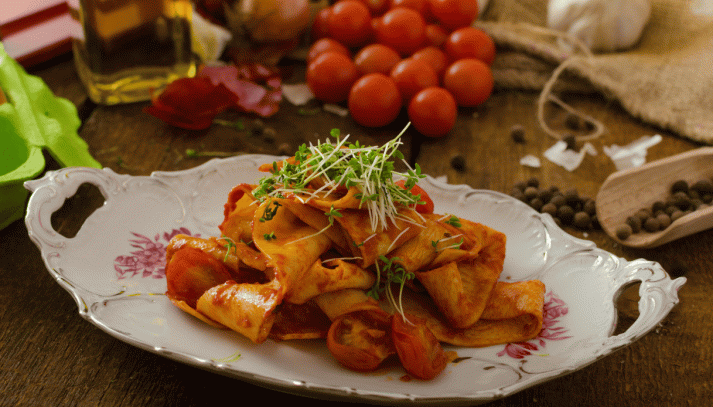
<point>574,122</point>
<point>458,163</point>
<point>582,220</point>
<point>517,132</point>
<point>568,208</point>
<point>571,142</point>
<point>269,134</point>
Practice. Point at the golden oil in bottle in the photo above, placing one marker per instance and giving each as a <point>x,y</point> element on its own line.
<point>131,49</point>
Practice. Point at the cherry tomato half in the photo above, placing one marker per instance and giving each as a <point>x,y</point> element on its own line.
<point>419,351</point>
<point>433,112</point>
<point>453,14</point>
<point>376,58</point>
<point>411,76</point>
<point>361,340</point>
<point>470,42</point>
<point>470,81</point>
<point>402,29</point>
<point>350,23</point>
<point>190,273</point>
<point>330,77</point>
<point>323,45</point>
<point>427,205</point>
<point>374,100</point>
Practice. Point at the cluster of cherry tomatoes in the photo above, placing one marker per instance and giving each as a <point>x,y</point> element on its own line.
<point>383,55</point>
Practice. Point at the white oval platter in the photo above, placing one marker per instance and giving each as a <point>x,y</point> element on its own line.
<point>113,268</point>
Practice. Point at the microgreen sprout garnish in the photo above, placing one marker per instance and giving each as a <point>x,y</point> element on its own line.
<point>331,214</point>
<point>269,236</point>
<point>392,272</point>
<point>327,167</point>
<point>445,243</point>
<point>230,244</point>
<point>454,221</point>
<point>269,213</point>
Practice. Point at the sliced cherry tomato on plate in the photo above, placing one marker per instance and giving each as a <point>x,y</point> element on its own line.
<point>470,81</point>
<point>374,100</point>
<point>419,351</point>
<point>191,272</point>
<point>427,205</point>
<point>470,42</point>
<point>330,77</point>
<point>361,340</point>
<point>433,112</point>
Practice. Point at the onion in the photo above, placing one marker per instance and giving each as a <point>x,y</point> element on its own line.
<point>274,20</point>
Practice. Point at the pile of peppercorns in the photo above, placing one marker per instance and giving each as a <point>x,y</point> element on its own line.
<point>683,199</point>
<point>566,207</point>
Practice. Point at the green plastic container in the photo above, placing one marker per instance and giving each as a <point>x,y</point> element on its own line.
<point>31,120</point>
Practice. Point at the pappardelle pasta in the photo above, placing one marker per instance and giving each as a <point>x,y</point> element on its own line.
<point>334,243</point>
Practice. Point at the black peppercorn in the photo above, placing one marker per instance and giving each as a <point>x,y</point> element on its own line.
<point>458,163</point>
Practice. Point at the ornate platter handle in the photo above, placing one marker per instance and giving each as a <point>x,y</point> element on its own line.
<point>51,191</point>
<point>658,294</point>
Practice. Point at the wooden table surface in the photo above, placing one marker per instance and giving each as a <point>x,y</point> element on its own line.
<point>50,356</point>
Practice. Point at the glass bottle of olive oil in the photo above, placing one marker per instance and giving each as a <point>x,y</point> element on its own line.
<point>131,49</point>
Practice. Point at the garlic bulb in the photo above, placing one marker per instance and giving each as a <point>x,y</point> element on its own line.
<point>602,25</point>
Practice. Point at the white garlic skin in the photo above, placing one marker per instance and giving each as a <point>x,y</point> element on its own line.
<point>602,25</point>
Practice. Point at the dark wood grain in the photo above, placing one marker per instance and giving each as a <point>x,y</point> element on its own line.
<point>50,356</point>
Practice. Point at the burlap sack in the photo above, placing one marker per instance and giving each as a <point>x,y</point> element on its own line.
<point>665,80</point>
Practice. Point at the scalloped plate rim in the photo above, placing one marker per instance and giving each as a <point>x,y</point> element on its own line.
<point>84,303</point>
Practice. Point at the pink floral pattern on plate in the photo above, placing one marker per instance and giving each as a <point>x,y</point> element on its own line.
<point>149,260</point>
<point>554,308</point>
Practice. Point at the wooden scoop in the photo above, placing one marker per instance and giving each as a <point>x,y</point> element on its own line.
<point>627,191</point>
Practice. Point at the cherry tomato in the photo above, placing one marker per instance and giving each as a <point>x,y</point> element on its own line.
<point>323,45</point>
<point>419,351</point>
<point>427,205</point>
<point>361,340</point>
<point>374,100</point>
<point>453,14</point>
<point>433,112</point>
<point>433,56</point>
<point>470,81</point>
<point>377,7</point>
<point>412,75</point>
<point>419,5</point>
<point>402,29</point>
<point>376,58</point>
<point>320,26</point>
<point>435,35</point>
<point>330,77</point>
<point>190,273</point>
<point>470,42</point>
<point>350,23</point>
